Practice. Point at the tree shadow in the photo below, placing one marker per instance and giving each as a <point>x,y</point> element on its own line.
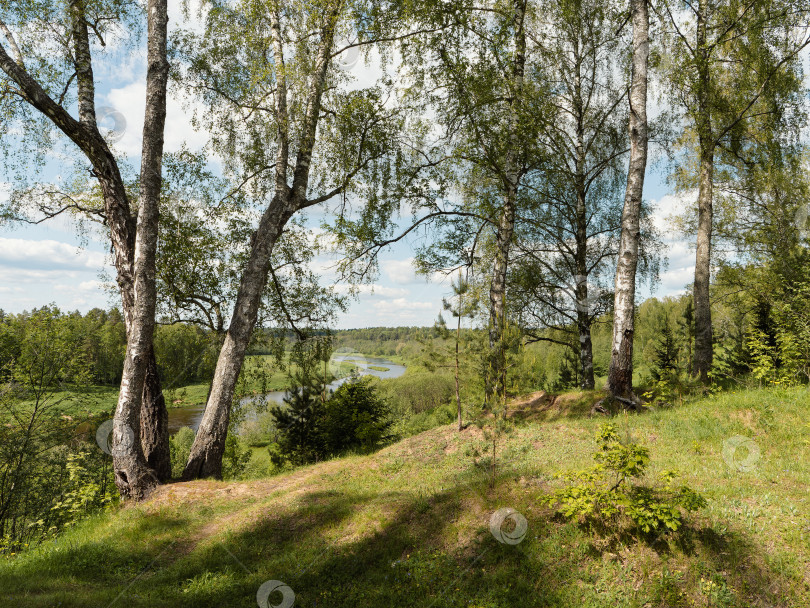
<point>353,549</point>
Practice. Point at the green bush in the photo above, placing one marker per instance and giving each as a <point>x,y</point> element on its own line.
<point>309,428</point>
<point>414,424</point>
<point>236,457</point>
<point>258,430</point>
<point>354,418</point>
<point>297,422</point>
<point>417,392</point>
<point>607,496</point>
<point>88,488</point>
<point>179,449</point>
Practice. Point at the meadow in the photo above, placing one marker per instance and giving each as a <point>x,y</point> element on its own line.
<point>409,525</point>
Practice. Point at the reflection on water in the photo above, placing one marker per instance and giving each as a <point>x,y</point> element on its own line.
<point>191,416</point>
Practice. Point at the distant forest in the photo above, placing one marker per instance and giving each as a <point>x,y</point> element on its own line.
<point>187,353</point>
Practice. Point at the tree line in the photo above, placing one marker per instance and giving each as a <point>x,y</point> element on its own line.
<point>184,353</point>
<point>513,133</point>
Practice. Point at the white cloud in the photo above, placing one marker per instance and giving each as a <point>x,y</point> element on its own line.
<point>129,101</point>
<point>669,206</point>
<point>374,290</point>
<point>392,312</point>
<point>47,254</point>
<point>399,306</point>
<point>95,285</point>
<point>401,272</point>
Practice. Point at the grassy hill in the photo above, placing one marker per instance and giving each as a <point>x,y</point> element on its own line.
<point>409,525</point>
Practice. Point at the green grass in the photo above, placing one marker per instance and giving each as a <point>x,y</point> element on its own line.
<point>85,400</point>
<point>408,526</point>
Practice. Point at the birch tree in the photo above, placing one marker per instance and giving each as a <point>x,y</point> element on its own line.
<point>475,76</point>
<point>620,374</point>
<point>46,58</point>
<point>728,63</point>
<point>568,226</point>
<point>291,137</point>
<point>132,475</point>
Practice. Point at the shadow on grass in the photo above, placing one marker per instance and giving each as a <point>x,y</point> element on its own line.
<point>728,560</point>
<point>356,549</point>
<point>553,408</point>
<point>362,563</point>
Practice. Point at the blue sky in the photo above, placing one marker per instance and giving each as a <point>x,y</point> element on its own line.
<point>51,263</point>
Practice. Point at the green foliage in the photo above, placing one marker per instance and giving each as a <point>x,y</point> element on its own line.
<point>312,424</point>
<point>567,371</point>
<point>89,487</point>
<point>50,476</point>
<point>179,449</point>
<point>765,335</point>
<point>666,374</point>
<point>404,342</point>
<point>608,496</point>
<point>97,343</point>
<point>414,423</point>
<point>258,429</point>
<point>298,419</point>
<point>185,353</point>
<point>416,392</point>
<point>235,458</point>
<point>39,350</point>
<point>354,418</point>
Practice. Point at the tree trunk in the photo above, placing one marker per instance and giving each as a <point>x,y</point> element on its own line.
<point>154,419</point>
<point>620,375</point>
<point>133,477</point>
<point>587,381</point>
<point>205,459</point>
<point>155,423</point>
<point>458,392</point>
<point>497,296</point>
<point>84,133</point>
<point>506,224</point>
<point>583,306</point>
<point>703,310</point>
<point>703,254</point>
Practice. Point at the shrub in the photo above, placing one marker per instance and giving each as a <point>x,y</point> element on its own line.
<point>417,392</point>
<point>354,418</point>
<point>297,422</point>
<point>179,450</point>
<point>88,488</point>
<point>235,458</point>
<point>607,496</point>
<point>258,430</point>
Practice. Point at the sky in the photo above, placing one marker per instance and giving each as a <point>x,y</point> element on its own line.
<point>51,263</point>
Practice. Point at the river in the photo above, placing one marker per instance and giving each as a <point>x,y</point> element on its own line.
<point>191,415</point>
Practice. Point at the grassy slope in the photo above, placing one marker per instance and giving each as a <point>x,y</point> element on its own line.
<point>408,526</point>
